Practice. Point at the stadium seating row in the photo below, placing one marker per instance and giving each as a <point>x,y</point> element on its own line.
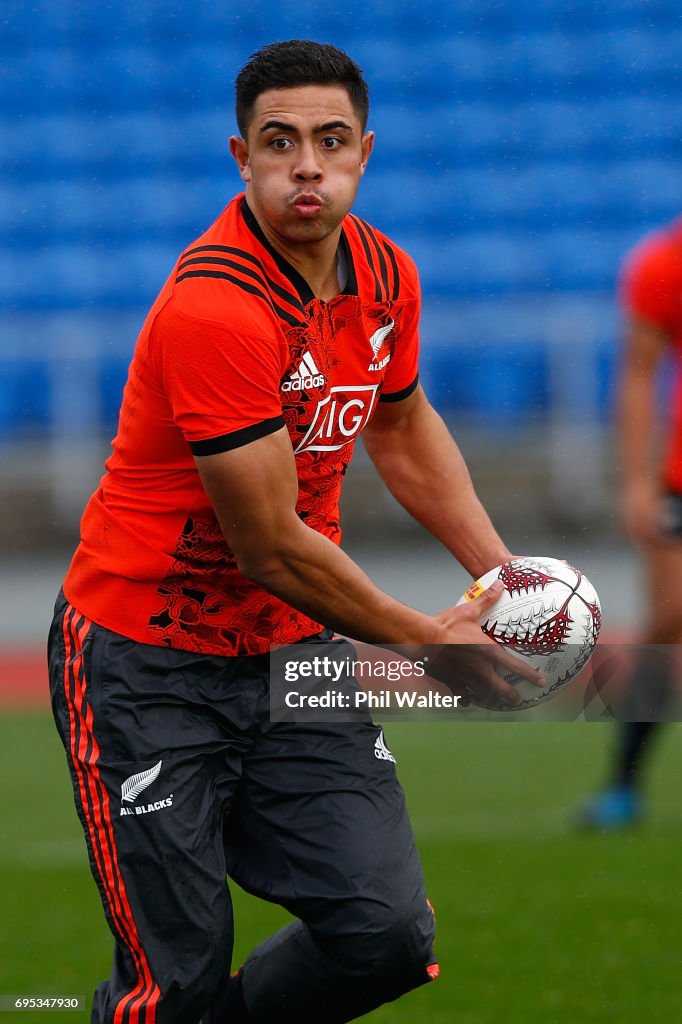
<point>490,382</point>
<point>185,75</point>
<point>460,135</point>
<point>474,264</point>
<point>65,23</point>
<point>543,197</point>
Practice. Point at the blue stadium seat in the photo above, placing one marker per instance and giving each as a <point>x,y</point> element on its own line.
<point>24,398</point>
<point>491,383</point>
<point>478,264</point>
<point>112,376</point>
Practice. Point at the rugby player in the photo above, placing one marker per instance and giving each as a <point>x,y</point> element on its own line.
<point>283,332</point>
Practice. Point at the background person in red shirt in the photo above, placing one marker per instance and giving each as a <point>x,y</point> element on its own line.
<point>650,502</point>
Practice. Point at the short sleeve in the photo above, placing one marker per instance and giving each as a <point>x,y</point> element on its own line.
<point>651,282</point>
<point>222,384</point>
<point>402,373</point>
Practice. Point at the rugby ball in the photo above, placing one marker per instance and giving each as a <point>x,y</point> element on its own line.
<point>548,614</point>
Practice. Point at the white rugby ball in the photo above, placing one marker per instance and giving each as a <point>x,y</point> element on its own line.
<point>548,614</point>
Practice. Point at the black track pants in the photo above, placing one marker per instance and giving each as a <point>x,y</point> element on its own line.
<point>181,779</point>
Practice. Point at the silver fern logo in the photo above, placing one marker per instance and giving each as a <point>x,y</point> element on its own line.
<point>136,784</point>
<point>377,339</point>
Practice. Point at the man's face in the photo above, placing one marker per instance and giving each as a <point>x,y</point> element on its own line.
<point>302,160</point>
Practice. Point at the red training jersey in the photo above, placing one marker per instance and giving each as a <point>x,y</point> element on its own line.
<point>652,290</point>
<point>235,347</point>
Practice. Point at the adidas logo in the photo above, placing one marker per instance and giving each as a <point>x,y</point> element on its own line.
<point>381,751</point>
<point>306,376</point>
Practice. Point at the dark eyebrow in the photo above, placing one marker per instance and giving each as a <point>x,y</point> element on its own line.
<point>282,126</point>
<point>331,126</point>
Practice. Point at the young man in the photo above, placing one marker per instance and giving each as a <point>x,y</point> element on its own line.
<point>288,328</point>
<point>651,505</point>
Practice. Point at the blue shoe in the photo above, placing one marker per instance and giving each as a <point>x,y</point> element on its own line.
<point>614,808</point>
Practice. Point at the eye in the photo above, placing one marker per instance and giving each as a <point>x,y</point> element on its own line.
<point>331,142</point>
<point>281,143</point>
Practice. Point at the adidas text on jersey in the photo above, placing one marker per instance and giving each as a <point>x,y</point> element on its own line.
<point>307,376</point>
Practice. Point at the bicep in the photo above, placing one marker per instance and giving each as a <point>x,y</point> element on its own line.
<point>410,437</point>
<point>253,490</point>
<point>392,416</point>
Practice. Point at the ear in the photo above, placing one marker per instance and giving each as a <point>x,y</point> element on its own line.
<point>239,149</point>
<point>367,145</point>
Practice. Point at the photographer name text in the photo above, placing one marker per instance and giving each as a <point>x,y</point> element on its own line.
<point>371,699</point>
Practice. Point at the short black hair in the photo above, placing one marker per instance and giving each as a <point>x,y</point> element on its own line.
<point>293,63</point>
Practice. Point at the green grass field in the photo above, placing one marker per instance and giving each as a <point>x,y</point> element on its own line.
<point>535,923</point>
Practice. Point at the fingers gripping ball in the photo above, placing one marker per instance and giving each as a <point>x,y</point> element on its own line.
<point>548,613</point>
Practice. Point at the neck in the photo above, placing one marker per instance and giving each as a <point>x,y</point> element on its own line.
<point>316,260</point>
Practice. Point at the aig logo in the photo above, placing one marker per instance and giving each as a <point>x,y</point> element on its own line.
<point>339,418</point>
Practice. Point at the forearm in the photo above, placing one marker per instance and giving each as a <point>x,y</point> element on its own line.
<point>253,489</point>
<point>637,397</point>
<point>312,574</point>
<point>636,426</point>
<point>423,468</point>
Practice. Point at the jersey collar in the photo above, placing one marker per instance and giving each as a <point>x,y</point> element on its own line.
<point>302,287</point>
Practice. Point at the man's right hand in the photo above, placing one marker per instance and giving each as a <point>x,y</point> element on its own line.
<point>473,665</point>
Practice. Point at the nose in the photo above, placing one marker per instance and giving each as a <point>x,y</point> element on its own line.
<point>307,166</point>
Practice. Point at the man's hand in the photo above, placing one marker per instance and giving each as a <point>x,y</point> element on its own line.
<point>472,664</point>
